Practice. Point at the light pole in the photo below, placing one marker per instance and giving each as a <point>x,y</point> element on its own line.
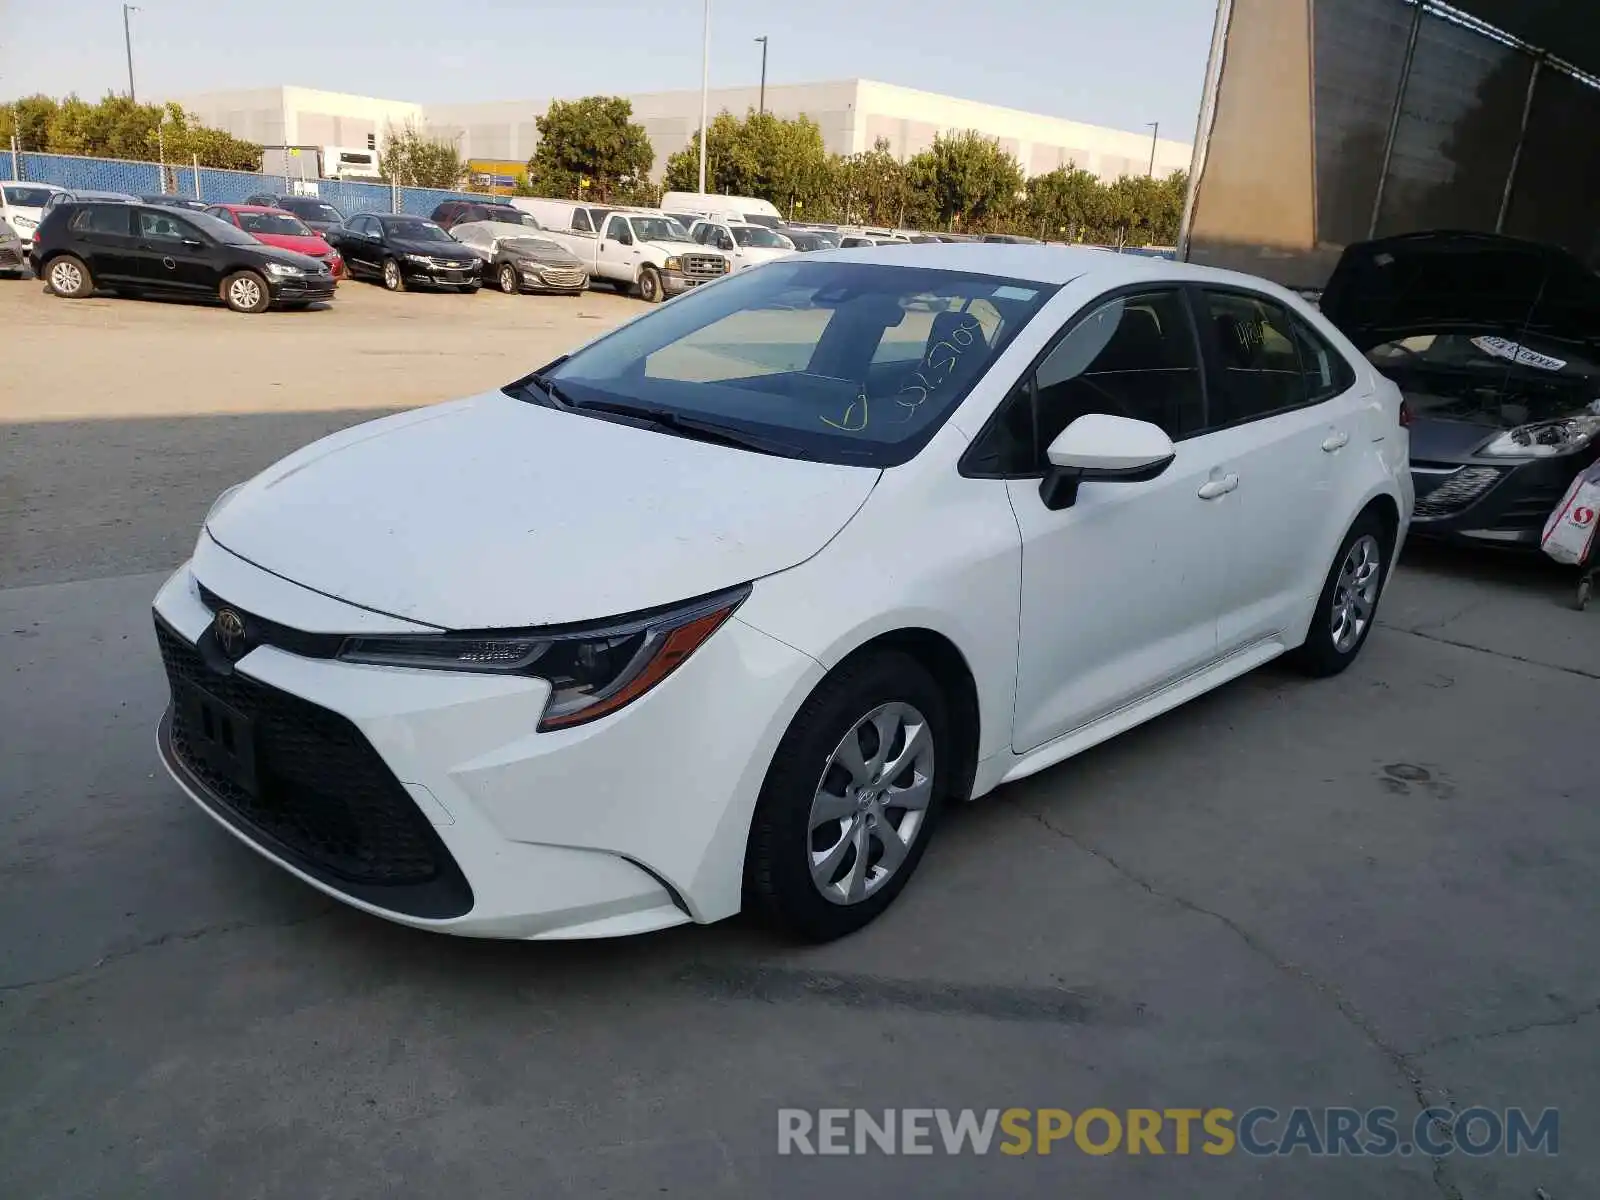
<point>127,42</point>
<point>705,93</point>
<point>1155,128</point>
<point>762,105</point>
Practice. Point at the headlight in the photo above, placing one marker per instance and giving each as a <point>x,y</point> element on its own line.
<point>592,670</point>
<point>283,270</point>
<point>673,264</point>
<point>1544,439</point>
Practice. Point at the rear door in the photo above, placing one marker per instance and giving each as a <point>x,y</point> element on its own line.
<point>102,235</point>
<point>1287,419</point>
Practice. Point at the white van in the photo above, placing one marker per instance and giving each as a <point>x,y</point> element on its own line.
<point>736,208</point>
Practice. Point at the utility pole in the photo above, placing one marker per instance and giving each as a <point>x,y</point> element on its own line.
<point>762,106</point>
<point>1155,128</point>
<point>705,96</point>
<point>127,42</point>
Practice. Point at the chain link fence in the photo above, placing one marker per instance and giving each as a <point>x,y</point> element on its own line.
<point>214,185</point>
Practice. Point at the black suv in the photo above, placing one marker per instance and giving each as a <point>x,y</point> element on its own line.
<point>459,212</point>
<point>133,248</point>
<point>318,214</point>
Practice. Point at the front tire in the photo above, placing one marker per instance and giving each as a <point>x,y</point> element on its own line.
<point>1347,608</point>
<point>650,289</point>
<point>829,850</point>
<point>69,276</point>
<point>393,279</point>
<point>246,292</point>
<point>507,279</point>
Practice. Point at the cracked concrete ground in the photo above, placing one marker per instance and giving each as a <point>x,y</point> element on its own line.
<point>1374,890</point>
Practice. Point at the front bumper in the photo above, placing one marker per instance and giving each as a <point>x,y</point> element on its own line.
<point>301,288</point>
<point>538,277</point>
<point>437,276</point>
<point>462,818</point>
<point>1483,502</point>
<point>12,256</point>
<point>676,282</point>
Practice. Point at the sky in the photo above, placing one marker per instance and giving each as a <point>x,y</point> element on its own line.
<point>1122,63</point>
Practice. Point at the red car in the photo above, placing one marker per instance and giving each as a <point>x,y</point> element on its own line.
<point>275,227</point>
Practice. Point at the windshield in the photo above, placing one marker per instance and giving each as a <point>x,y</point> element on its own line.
<point>759,235</point>
<point>762,219</point>
<point>28,197</point>
<point>1490,380</point>
<point>220,230</point>
<point>847,362</point>
<point>533,245</point>
<point>416,230</point>
<point>807,241</point>
<point>314,210</point>
<point>658,229</point>
<point>279,223</point>
<point>513,216</point>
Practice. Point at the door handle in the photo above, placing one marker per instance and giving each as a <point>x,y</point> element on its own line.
<point>1336,441</point>
<point>1214,488</point>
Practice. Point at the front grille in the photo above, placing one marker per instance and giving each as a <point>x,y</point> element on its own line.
<point>451,264</point>
<point>323,798</point>
<point>1455,493</point>
<point>704,266</point>
<point>561,277</point>
<point>261,632</point>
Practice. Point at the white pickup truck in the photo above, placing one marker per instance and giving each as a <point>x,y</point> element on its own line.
<point>630,248</point>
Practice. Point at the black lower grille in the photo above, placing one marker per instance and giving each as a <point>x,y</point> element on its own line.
<point>322,797</point>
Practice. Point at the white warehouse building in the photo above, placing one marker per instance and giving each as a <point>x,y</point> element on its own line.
<point>852,114</point>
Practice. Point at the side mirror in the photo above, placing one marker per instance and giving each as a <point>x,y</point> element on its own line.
<point>1098,448</point>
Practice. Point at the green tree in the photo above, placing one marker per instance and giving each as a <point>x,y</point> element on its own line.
<point>966,179</point>
<point>1065,205</point>
<point>780,159</point>
<point>116,127</point>
<point>871,187</point>
<point>594,139</point>
<point>412,159</point>
<point>29,119</point>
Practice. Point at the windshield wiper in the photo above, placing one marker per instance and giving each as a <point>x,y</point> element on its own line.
<point>554,396</point>
<point>697,428</point>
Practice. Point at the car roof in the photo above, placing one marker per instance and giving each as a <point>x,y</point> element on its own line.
<point>1048,264</point>
<point>49,187</point>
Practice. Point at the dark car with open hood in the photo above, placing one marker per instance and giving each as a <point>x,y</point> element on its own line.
<point>1495,343</point>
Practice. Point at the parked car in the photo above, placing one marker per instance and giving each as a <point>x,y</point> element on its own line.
<point>1495,343</point>
<point>458,212</point>
<point>744,245</point>
<point>403,251</point>
<point>144,248</point>
<point>807,241</point>
<point>633,249</point>
<point>171,201</point>
<point>13,254</point>
<point>275,227</point>
<point>517,259</point>
<point>506,701</point>
<point>68,196</point>
<point>22,205</point>
<point>318,214</point>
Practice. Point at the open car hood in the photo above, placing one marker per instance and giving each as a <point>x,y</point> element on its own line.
<point>1458,282</point>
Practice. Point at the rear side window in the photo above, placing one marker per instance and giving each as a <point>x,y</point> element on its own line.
<point>1327,373</point>
<point>1259,371</point>
<point>102,218</point>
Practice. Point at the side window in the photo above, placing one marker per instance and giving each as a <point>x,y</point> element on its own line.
<point>221,214</point>
<point>617,231</point>
<point>724,239</point>
<point>580,221</point>
<point>1130,357</point>
<point>1326,372</point>
<point>702,233</point>
<point>102,218</point>
<point>164,226</point>
<point>1259,363</point>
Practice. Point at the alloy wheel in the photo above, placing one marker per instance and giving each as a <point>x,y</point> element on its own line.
<point>244,292</point>
<point>870,803</point>
<point>1355,595</point>
<point>391,275</point>
<point>65,277</point>
<point>508,279</point>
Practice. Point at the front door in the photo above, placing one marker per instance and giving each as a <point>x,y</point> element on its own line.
<point>617,256</point>
<point>174,256</point>
<point>1122,589</point>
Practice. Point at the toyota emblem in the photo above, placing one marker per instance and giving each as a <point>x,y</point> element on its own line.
<point>230,632</point>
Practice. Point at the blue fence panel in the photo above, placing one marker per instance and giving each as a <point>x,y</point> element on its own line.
<point>92,174</point>
<point>422,201</point>
<point>8,164</point>
<point>235,187</point>
<point>350,197</point>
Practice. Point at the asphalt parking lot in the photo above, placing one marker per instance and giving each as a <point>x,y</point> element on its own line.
<point>1377,890</point>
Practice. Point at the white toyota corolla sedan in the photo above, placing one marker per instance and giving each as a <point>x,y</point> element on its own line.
<point>723,608</point>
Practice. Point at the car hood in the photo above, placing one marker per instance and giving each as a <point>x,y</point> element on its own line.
<point>674,246</point>
<point>548,258</point>
<point>314,247</point>
<point>493,513</point>
<point>432,249</point>
<point>1446,439</point>
<point>274,253</point>
<point>1452,282</point>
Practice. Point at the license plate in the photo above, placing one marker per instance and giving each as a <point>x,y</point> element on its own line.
<point>221,736</point>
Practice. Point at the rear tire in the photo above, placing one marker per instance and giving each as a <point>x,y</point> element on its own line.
<point>246,292</point>
<point>1347,607</point>
<point>800,873</point>
<point>650,290</point>
<point>68,276</point>
<point>393,278</point>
